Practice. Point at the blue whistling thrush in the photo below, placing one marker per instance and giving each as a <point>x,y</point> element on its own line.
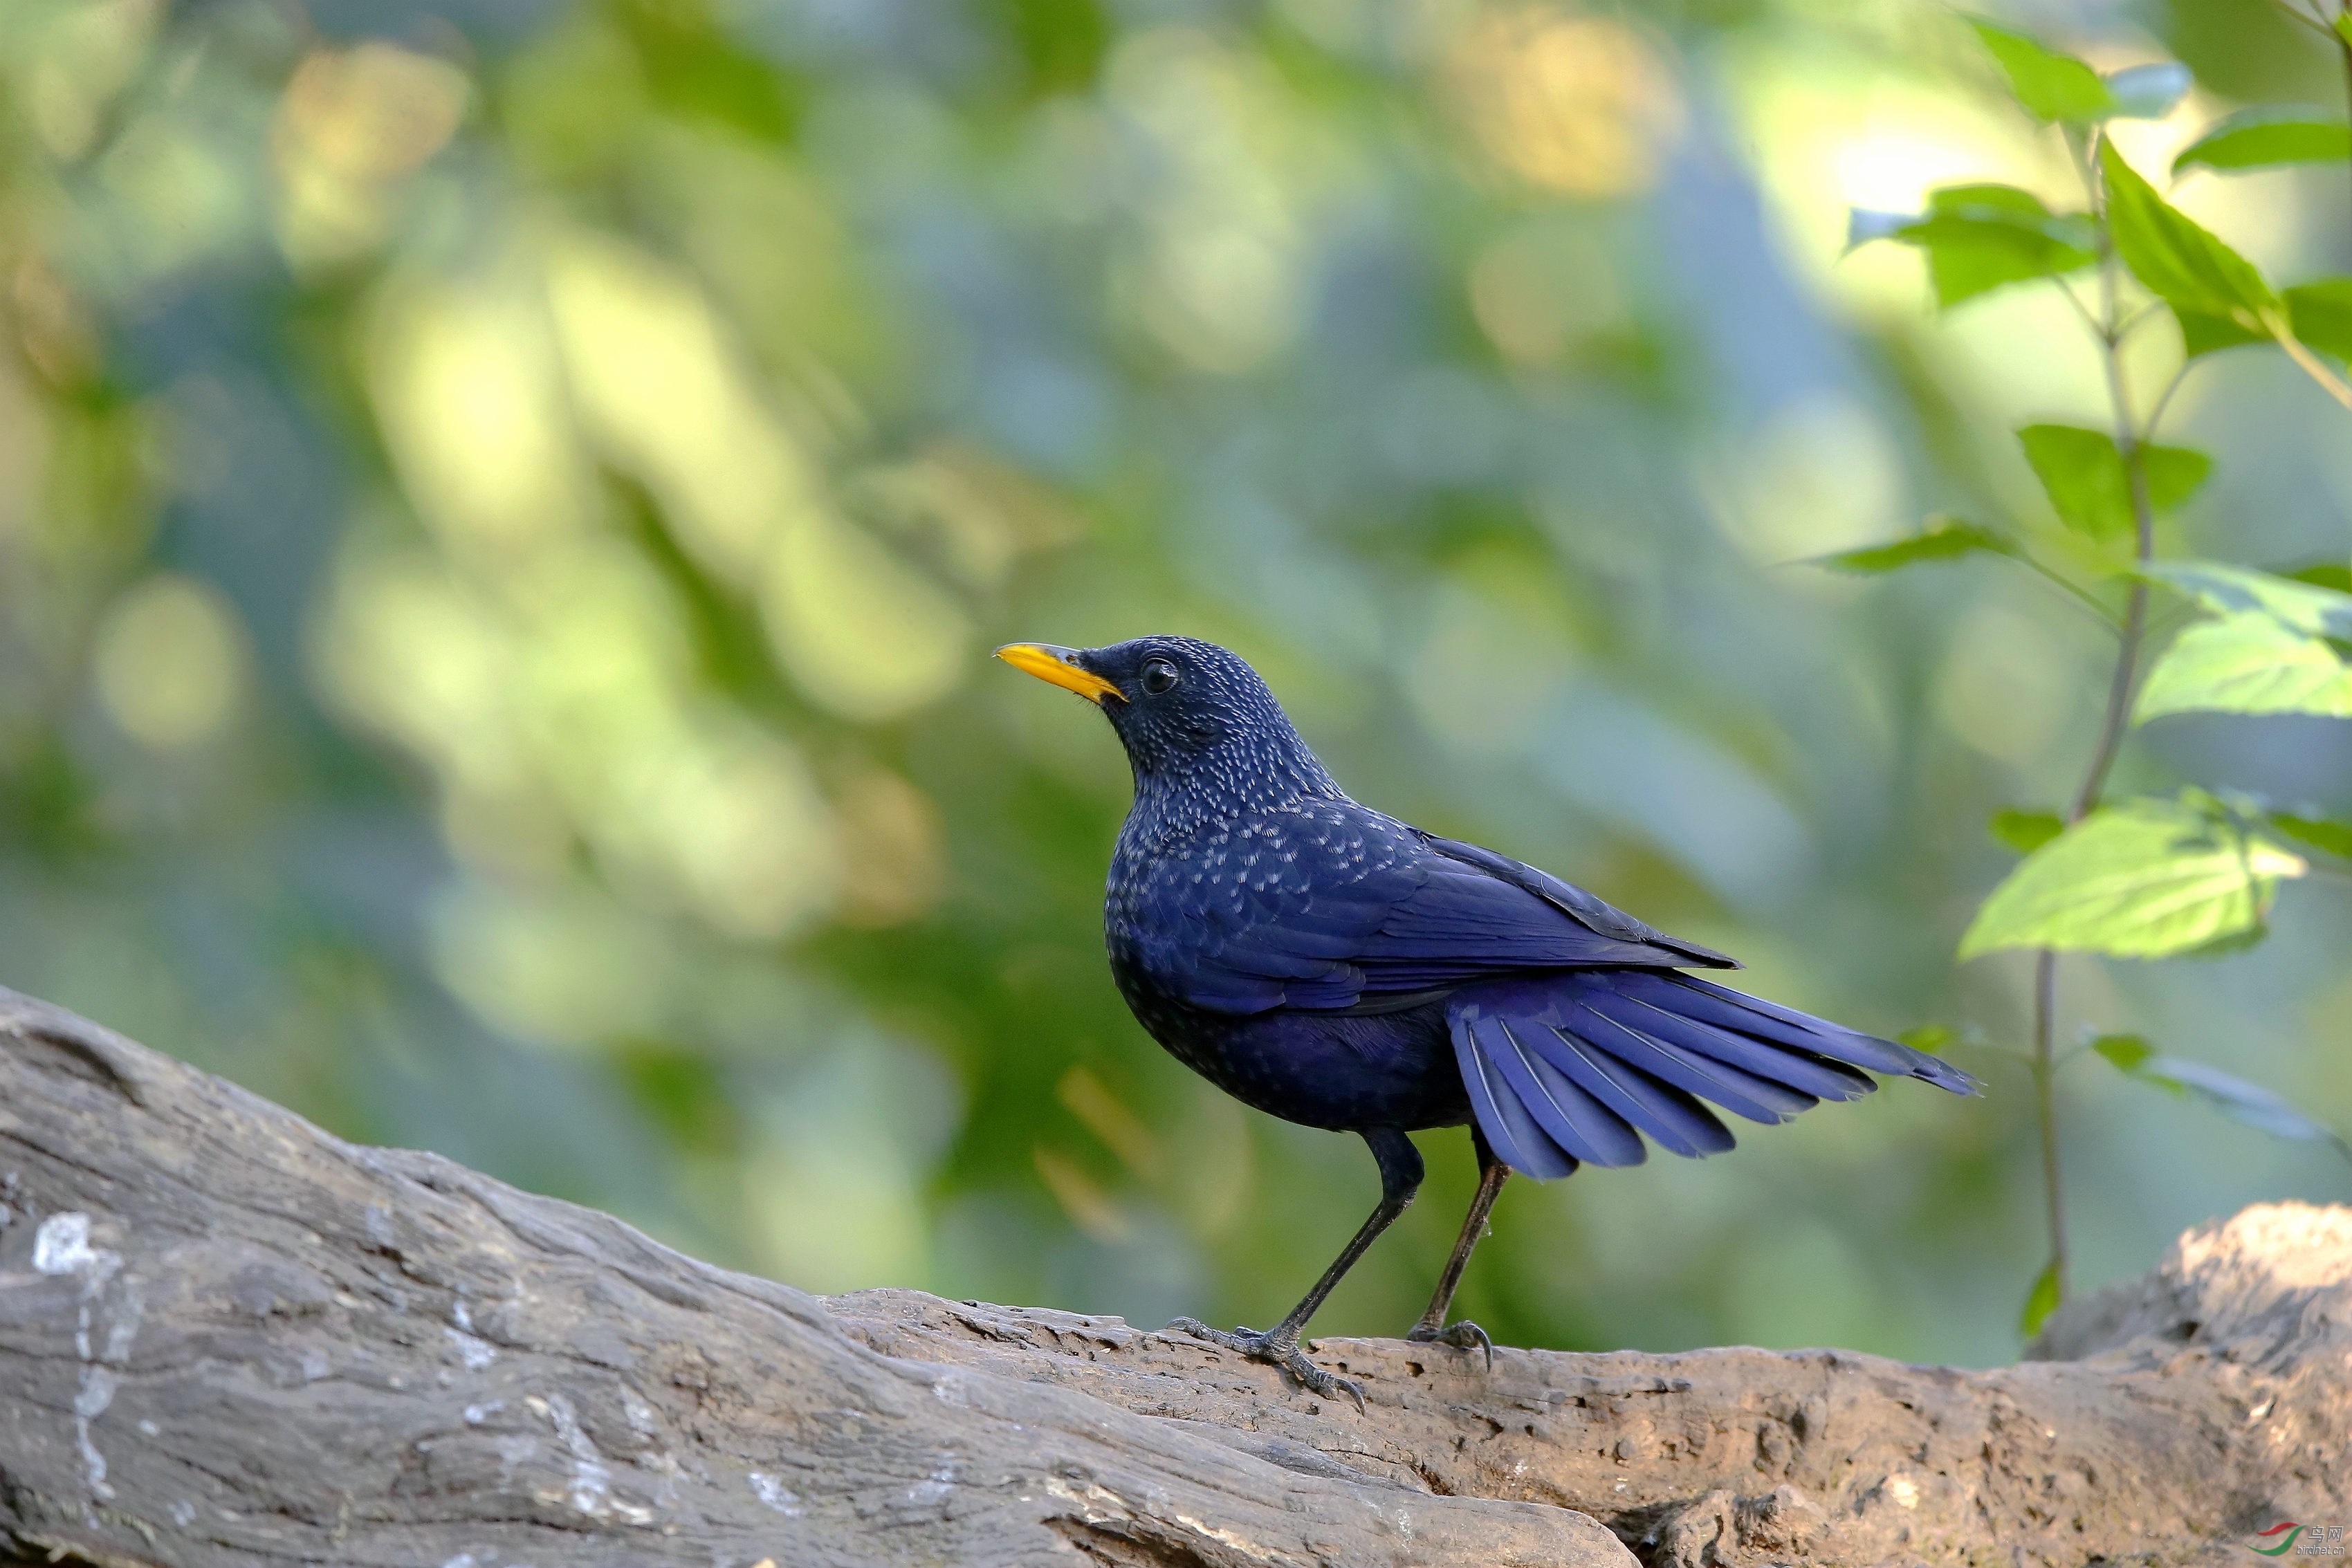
<point>1336,967</point>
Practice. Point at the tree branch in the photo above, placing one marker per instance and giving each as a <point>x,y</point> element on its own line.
<point>228,1339</point>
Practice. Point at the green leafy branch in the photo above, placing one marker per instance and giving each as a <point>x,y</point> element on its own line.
<point>2250,1105</point>
<point>2147,877</point>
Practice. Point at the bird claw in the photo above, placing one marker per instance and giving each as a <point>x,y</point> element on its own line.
<point>1276,1351</point>
<point>1244,1340</point>
<point>1331,1386</point>
<point>1463,1335</point>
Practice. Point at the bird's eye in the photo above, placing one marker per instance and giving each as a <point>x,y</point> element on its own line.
<point>1158,675</point>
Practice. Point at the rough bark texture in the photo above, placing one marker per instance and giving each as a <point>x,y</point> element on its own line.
<point>227,1338</point>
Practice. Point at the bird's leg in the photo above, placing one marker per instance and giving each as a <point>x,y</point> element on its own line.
<point>1400,1171</point>
<point>1492,1174</point>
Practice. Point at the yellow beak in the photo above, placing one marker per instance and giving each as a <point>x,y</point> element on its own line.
<point>1059,665</point>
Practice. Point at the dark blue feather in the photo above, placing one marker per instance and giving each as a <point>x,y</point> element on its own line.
<point>1667,1113</point>
<point>1740,1093</point>
<point>1595,913</point>
<point>1576,1121</point>
<point>1325,903</point>
<point>1740,1012</point>
<point>1591,1057</point>
<point>1654,1014</point>
<point>1509,1130</point>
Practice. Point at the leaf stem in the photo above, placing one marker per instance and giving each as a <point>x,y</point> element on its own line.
<point>2343,45</point>
<point>2156,414</point>
<point>2085,596</point>
<point>2131,444</point>
<point>2316,23</point>
<point>2045,1109</point>
<point>2308,362</point>
<point>2089,320</point>
<point>2139,318</point>
<point>2120,686</point>
<point>2313,365</point>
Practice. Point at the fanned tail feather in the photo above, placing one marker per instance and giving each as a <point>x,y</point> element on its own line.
<point>1574,1068</point>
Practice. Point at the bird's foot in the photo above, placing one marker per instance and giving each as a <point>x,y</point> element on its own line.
<point>1276,1349</point>
<point>1464,1334</point>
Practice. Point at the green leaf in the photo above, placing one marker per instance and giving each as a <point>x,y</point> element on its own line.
<point>2235,1097</point>
<point>2328,838</point>
<point>2343,28</point>
<point>2181,263</point>
<point>2042,1300</point>
<point>2247,664</point>
<point>2084,474</point>
<point>2025,831</point>
<point>2277,646</point>
<point>2141,879</point>
<point>2125,1051</point>
<point>1947,539</point>
<point>1863,224</point>
<point>1930,1037</point>
<point>2174,474</point>
<point>1978,237</point>
<point>1986,200</point>
<point>2330,574</point>
<point>2272,135</point>
<point>2237,590</point>
<point>2149,91</point>
<point>2204,334</point>
<point>2320,314</point>
<point>2051,85</point>
<point>2226,1091</point>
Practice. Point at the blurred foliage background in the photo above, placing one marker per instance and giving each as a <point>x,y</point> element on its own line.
<point>504,505</point>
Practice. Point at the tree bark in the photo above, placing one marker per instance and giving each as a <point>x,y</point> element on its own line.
<point>227,1338</point>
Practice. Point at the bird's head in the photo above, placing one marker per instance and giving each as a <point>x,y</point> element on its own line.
<point>1178,704</point>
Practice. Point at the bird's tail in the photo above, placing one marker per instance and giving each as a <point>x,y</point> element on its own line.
<point>1574,1067</point>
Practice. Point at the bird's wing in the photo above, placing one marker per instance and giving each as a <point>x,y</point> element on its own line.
<point>1574,1068</point>
<point>1335,906</point>
<point>1593,913</point>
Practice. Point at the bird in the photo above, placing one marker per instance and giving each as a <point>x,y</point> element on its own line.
<point>1327,964</point>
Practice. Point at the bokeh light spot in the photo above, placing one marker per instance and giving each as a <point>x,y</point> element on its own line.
<point>171,660</point>
<point>1821,474</point>
<point>1581,105</point>
<point>2006,685</point>
<point>467,387</point>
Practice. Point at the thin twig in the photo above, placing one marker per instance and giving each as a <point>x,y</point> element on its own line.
<point>2107,618</point>
<point>2081,310</point>
<point>2341,36</point>
<point>2045,1109</point>
<point>2317,368</point>
<point>2137,320</point>
<point>2119,687</point>
<point>2317,22</point>
<point>2293,14</point>
<point>2131,445</point>
<point>2163,401</point>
